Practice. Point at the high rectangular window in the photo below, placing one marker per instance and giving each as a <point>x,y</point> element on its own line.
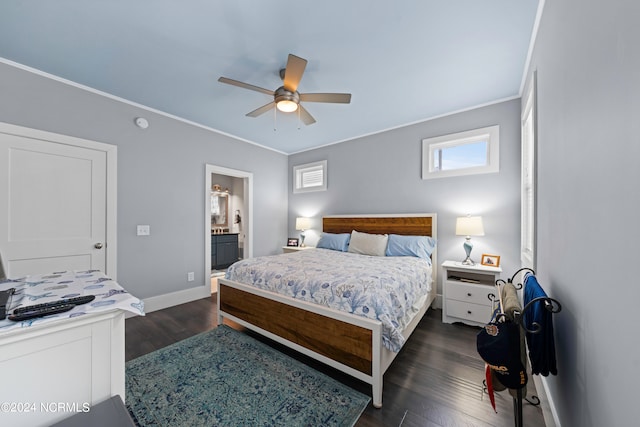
<point>464,153</point>
<point>310,177</point>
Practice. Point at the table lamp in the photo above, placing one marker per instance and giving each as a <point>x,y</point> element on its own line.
<point>469,226</point>
<point>302,224</point>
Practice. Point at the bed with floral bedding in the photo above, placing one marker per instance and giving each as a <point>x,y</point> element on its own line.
<point>351,303</point>
<point>388,289</point>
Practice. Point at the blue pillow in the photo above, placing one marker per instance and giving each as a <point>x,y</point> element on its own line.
<point>418,246</point>
<point>336,242</point>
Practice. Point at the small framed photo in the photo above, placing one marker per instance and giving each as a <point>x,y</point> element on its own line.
<point>490,260</point>
<point>292,241</point>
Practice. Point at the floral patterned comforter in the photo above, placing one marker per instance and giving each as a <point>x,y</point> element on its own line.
<point>384,288</point>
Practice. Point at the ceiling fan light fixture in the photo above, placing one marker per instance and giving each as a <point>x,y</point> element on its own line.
<point>287,106</point>
<point>286,101</point>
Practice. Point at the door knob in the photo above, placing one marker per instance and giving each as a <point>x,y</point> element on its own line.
<point>98,246</point>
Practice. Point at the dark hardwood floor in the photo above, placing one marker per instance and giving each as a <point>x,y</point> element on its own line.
<point>436,380</point>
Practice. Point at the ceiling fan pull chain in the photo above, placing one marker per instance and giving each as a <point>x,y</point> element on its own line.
<point>298,118</point>
<point>275,117</point>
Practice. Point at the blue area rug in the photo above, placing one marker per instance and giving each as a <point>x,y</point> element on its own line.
<point>226,378</point>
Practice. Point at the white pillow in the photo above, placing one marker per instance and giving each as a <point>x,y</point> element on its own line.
<point>368,244</point>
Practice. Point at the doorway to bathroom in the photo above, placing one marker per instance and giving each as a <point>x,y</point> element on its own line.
<point>228,219</point>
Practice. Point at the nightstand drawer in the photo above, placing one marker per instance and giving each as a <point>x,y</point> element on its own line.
<point>471,293</point>
<point>467,311</point>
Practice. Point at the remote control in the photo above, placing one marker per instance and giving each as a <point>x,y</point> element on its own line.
<point>4,301</point>
<point>40,312</point>
<point>73,301</point>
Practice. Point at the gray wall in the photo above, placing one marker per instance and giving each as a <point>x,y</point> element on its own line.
<point>382,174</point>
<point>587,61</point>
<point>161,177</point>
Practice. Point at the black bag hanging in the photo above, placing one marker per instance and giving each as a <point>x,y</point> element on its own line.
<point>498,344</point>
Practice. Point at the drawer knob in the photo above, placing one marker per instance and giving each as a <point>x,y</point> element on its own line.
<point>468,311</point>
<point>468,294</point>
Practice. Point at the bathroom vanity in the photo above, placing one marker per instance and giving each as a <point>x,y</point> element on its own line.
<point>224,250</point>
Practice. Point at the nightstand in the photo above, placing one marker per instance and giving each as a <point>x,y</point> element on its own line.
<point>288,249</point>
<point>467,292</point>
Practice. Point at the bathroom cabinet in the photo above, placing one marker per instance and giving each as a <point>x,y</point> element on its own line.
<point>224,250</point>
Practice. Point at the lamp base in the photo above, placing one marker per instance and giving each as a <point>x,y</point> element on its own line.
<point>467,245</point>
<point>468,261</point>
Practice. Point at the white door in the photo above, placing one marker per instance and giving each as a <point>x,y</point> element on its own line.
<point>53,211</point>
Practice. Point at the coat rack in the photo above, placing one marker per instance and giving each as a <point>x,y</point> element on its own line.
<point>549,304</point>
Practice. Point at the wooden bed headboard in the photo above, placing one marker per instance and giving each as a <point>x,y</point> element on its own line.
<point>413,225</point>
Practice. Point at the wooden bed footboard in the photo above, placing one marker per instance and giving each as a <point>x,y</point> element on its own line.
<point>349,343</point>
<point>338,340</point>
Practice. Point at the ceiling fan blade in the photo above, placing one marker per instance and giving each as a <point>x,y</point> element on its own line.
<point>306,118</point>
<point>338,98</point>
<point>245,85</point>
<point>293,72</point>
<point>261,110</point>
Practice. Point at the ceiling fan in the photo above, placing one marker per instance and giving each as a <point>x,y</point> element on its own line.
<point>287,98</point>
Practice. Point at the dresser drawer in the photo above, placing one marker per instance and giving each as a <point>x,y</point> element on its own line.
<point>225,238</point>
<point>467,311</point>
<point>471,293</point>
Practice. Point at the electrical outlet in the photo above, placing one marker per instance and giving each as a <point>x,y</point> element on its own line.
<point>191,276</point>
<point>144,230</point>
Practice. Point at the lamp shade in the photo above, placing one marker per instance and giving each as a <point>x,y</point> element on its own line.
<point>469,226</point>
<point>303,223</point>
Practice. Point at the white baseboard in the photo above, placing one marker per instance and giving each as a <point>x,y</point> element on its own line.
<point>437,302</point>
<point>549,411</point>
<point>176,298</point>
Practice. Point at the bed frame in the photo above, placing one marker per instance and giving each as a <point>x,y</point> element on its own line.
<point>347,342</point>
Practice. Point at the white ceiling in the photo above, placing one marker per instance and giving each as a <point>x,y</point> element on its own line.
<point>403,61</point>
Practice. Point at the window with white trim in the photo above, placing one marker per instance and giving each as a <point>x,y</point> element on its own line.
<point>310,177</point>
<point>528,178</point>
<point>465,153</point>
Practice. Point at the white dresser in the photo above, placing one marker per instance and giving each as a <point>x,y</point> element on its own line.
<point>63,364</point>
<point>54,370</point>
<point>467,292</point>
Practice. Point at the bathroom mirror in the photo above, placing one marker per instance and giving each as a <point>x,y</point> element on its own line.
<point>219,209</point>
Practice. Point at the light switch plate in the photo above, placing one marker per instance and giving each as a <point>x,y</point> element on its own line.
<point>144,230</point>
